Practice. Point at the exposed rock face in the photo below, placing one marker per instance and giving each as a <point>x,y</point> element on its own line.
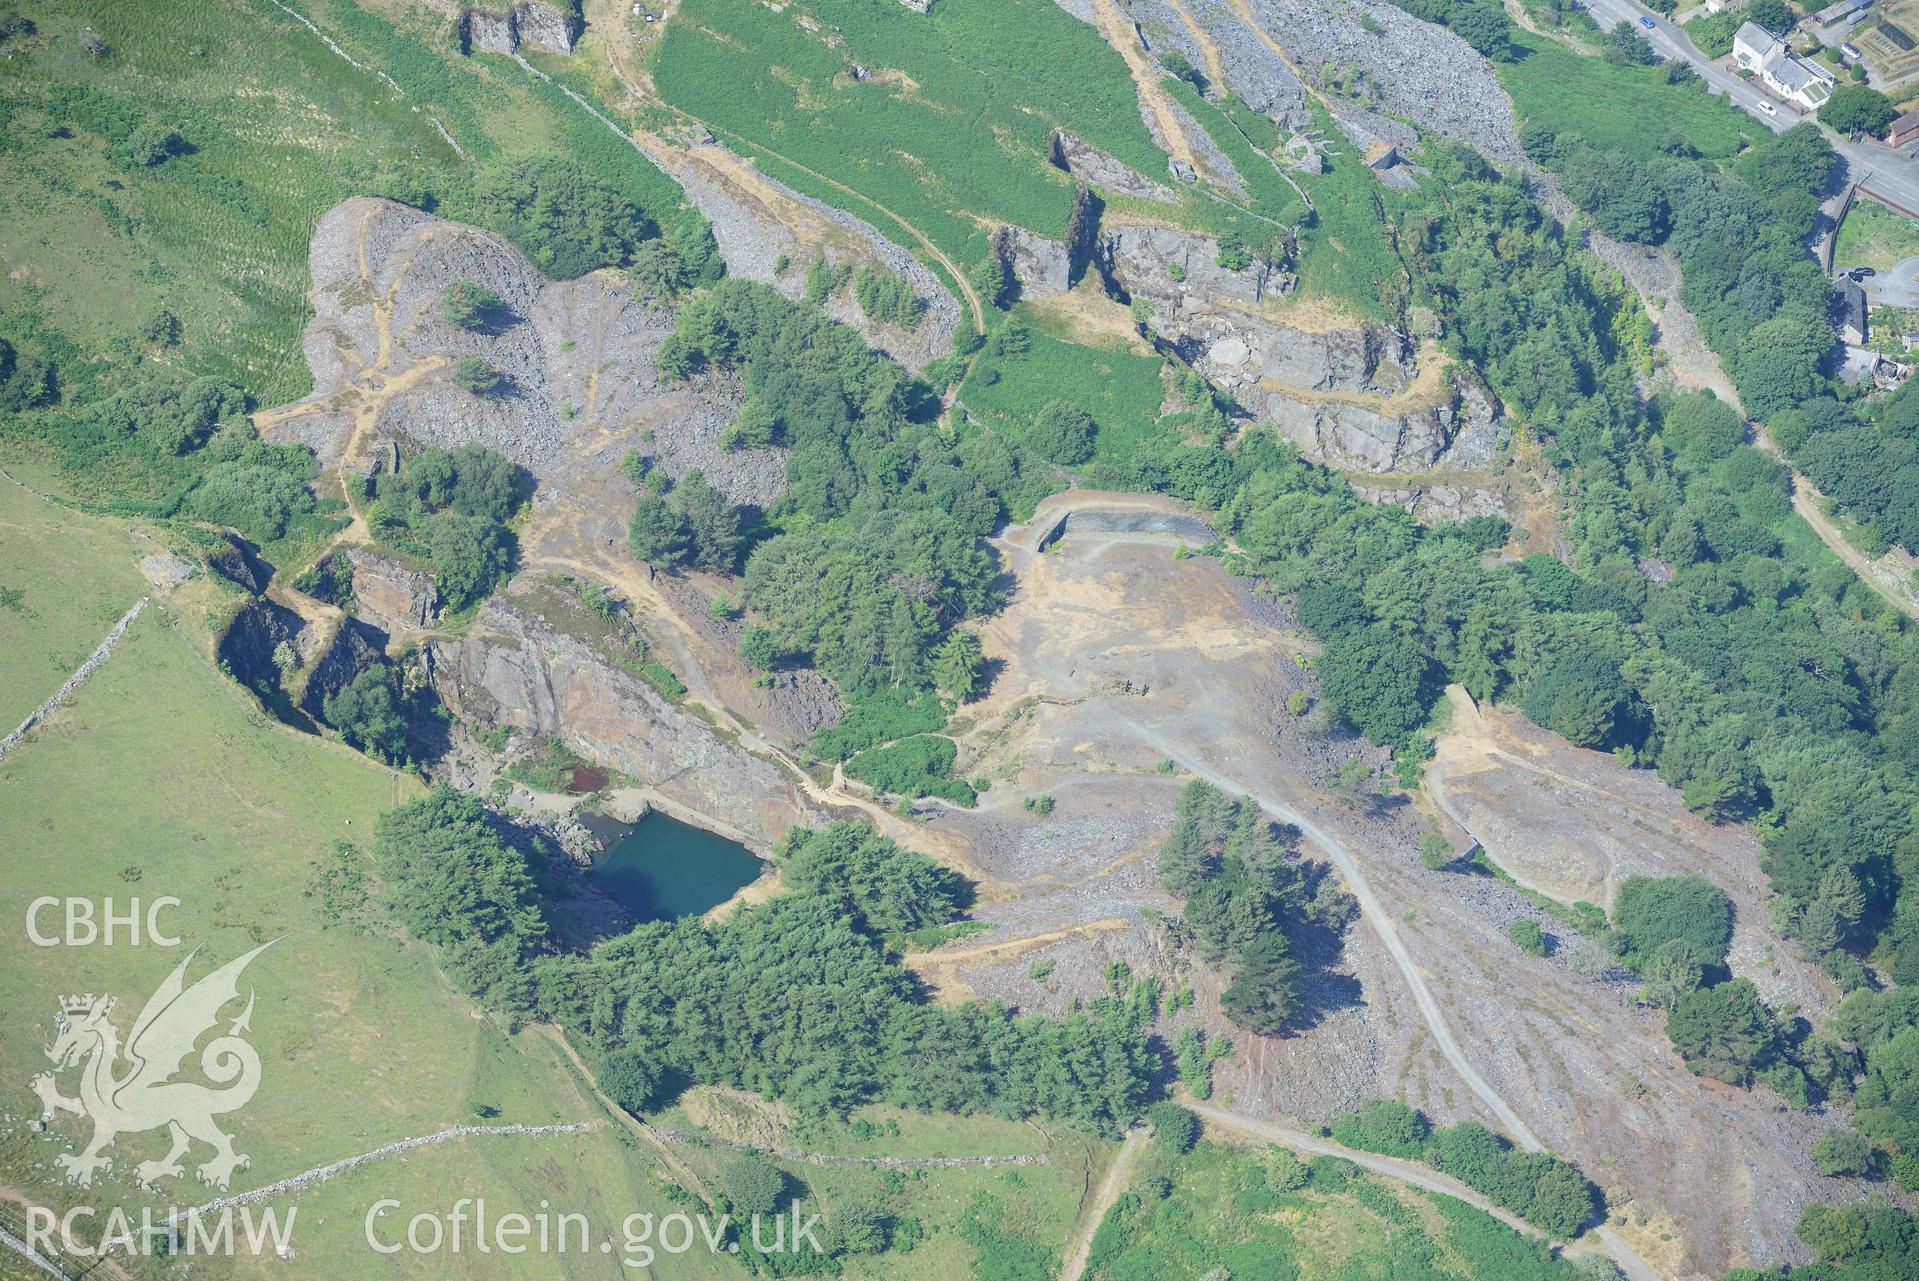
<point>1421,71</point>
<point>354,647</point>
<point>1355,435</point>
<point>755,218</point>
<point>1349,397</point>
<point>235,561</point>
<point>515,669</point>
<point>1217,167</point>
<point>1416,71</point>
<point>1436,504</point>
<point>1368,358</point>
<point>1091,165</point>
<point>1179,272</point>
<point>246,646</point>
<point>166,572</point>
<point>391,596</point>
<point>553,28</point>
<point>1249,68</point>
<point>1043,267</point>
<point>1046,267</point>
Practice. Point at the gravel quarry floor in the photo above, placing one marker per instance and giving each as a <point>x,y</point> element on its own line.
<point>1117,656</point>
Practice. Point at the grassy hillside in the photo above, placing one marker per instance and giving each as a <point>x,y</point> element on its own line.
<point>276,128</point>
<point>1120,388</point>
<point>948,131</point>
<point>361,1040</point>
<point>1617,108</point>
<point>74,580</point>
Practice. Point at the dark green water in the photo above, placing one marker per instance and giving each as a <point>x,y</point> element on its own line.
<point>663,869</point>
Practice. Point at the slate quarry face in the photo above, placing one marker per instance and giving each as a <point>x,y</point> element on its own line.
<point>1350,395</point>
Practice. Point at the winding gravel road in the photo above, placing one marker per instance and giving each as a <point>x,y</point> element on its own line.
<point>1635,1268</point>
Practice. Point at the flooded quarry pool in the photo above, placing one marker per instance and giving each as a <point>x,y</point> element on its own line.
<point>662,869</point>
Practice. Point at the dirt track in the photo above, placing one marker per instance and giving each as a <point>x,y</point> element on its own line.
<point>1118,1175</point>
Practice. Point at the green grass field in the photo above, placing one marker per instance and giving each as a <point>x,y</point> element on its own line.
<point>950,130</point>
<point>1215,1208</point>
<point>1041,1201</point>
<point>74,580</point>
<point>1121,389</point>
<point>279,126</point>
<point>1345,255</point>
<point>163,778</point>
<point>1874,236</point>
<point>1247,139</point>
<point>1615,108</point>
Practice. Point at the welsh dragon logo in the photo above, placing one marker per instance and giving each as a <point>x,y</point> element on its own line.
<point>132,1091</point>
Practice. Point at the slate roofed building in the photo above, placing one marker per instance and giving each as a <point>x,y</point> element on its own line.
<point>1849,308</point>
<point>1804,84</point>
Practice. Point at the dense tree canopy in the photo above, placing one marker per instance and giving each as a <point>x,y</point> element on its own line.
<point>1649,912</point>
<point>1857,109</point>
<point>565,221</point>
<point>893,890</point>
<point>367,712</point>
<point>453,881</point>
<point>795,1001</point>
<point>1536,1186</point>
<point>797,998</point>
<point>187,448</point>
<point>1725,1032</point>
<point>1244,893</point>
<point>451,506</point>
<point>1378,682</point>
<point>873,554</point>
<point>1062,432</point>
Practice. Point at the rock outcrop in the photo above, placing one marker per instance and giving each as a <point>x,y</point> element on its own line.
<point>1442,503</point>
<point>1239,351</point>
<point>580,357</point>
<point>1348,396</point>
<point>514,669</point>
<point>1046,267</point>
<point>1179,272</point>
<point>353,647</point>
<point>246,646</point>
<point>1042,267</point>
<point>391,596</point>
<point>1092,166</point>
<point>234,560</point>
<point>532,24</point>
<point>1355,436</point>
